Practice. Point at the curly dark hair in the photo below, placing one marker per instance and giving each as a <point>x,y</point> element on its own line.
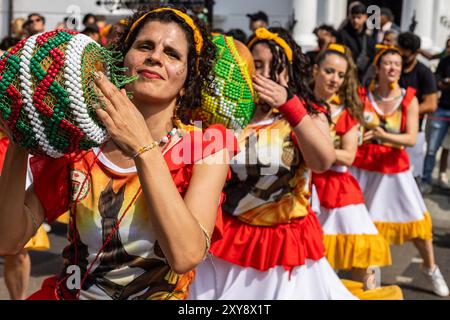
<point>200,68</point>
<point>299,70</point>
<point>409,40</point>
<point>348,91</point>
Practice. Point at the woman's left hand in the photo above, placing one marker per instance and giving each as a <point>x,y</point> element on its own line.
<point>270,92</point>
<point>123,121</point>
<point>375,133</point>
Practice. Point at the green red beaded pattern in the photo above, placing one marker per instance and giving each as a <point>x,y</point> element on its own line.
<point>233,103</point>
<point>46,92</point>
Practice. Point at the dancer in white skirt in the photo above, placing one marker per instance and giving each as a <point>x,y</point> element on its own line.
<point>268,244</point>
<point>352,241</point>
<point>382,166</point>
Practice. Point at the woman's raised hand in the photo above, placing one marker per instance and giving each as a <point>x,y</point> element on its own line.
<point>123,121</point>
<point>270,92</point>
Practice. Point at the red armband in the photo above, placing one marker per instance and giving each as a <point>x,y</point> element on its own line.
<point>293,111</point>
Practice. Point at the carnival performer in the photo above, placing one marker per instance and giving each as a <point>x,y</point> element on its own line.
<point>381,164</point>
<point>143,206</point>
<point>268,243</point>
<point>17,267</point>
<point>352,241</point>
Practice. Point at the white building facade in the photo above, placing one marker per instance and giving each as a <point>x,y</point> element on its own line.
<point>432,16</point>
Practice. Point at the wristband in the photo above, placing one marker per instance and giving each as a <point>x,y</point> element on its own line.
<point>149,147</point>
<point>293,111</point>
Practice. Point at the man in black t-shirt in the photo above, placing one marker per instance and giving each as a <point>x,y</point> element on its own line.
<point>439,122</point>
<point>415,74</point>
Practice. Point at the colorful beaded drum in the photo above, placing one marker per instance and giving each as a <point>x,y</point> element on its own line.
<point>47,96</point>
<point>233,103</point>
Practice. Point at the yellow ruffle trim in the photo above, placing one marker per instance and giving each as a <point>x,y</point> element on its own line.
<point>381,293</point>
<point>39,241</point>
<point>398,232</point>
<point>347,251</point>
<point>64,218</point>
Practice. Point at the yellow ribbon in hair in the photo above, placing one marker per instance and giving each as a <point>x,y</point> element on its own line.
<point>337,47</point>
<point>198,39</point>
<point>382,49</point>
<point>264,34</point>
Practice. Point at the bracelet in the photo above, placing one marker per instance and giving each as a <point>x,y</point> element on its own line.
<point>149,147</point>
<point>208,240</point>
<point>293,111</point>
<point>33,218</point>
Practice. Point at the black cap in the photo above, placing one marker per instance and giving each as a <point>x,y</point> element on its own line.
<point>260,15</point>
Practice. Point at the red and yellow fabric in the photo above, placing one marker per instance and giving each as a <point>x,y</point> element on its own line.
<point>392,197</point>
<point>262,248</point>
<point>400,232</point>
<point>350,237</point>
<point>4,141</point>
<point>268,220</point>
<point>132,265</point>
<point>40,240</point>
<point>385,157</point>
<point>347,251</point>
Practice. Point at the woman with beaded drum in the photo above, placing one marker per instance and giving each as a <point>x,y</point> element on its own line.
<point>268,243</point>
<point>143,205</point>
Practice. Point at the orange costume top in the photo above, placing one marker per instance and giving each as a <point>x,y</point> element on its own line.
<point>268,220</point>
<point>111,236</point>
<point>379,156</point>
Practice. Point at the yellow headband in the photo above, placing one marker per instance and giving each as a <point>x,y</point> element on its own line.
<point>198,39</point>
<point>264,34</point>
<point>382,49</point>
<point>337,47</point>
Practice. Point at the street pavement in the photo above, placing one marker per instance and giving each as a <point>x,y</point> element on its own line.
<point>404,271</point>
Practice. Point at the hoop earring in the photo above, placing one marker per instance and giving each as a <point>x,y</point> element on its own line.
<point>175,119</point>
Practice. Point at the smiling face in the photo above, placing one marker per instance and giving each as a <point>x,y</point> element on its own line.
<point>390,68</point>
<point>159,57</point>
<point>329,75</point>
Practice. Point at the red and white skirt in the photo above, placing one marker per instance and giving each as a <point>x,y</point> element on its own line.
<point>350,237</point>
<point>265,263</point>
<point>395,204</point>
